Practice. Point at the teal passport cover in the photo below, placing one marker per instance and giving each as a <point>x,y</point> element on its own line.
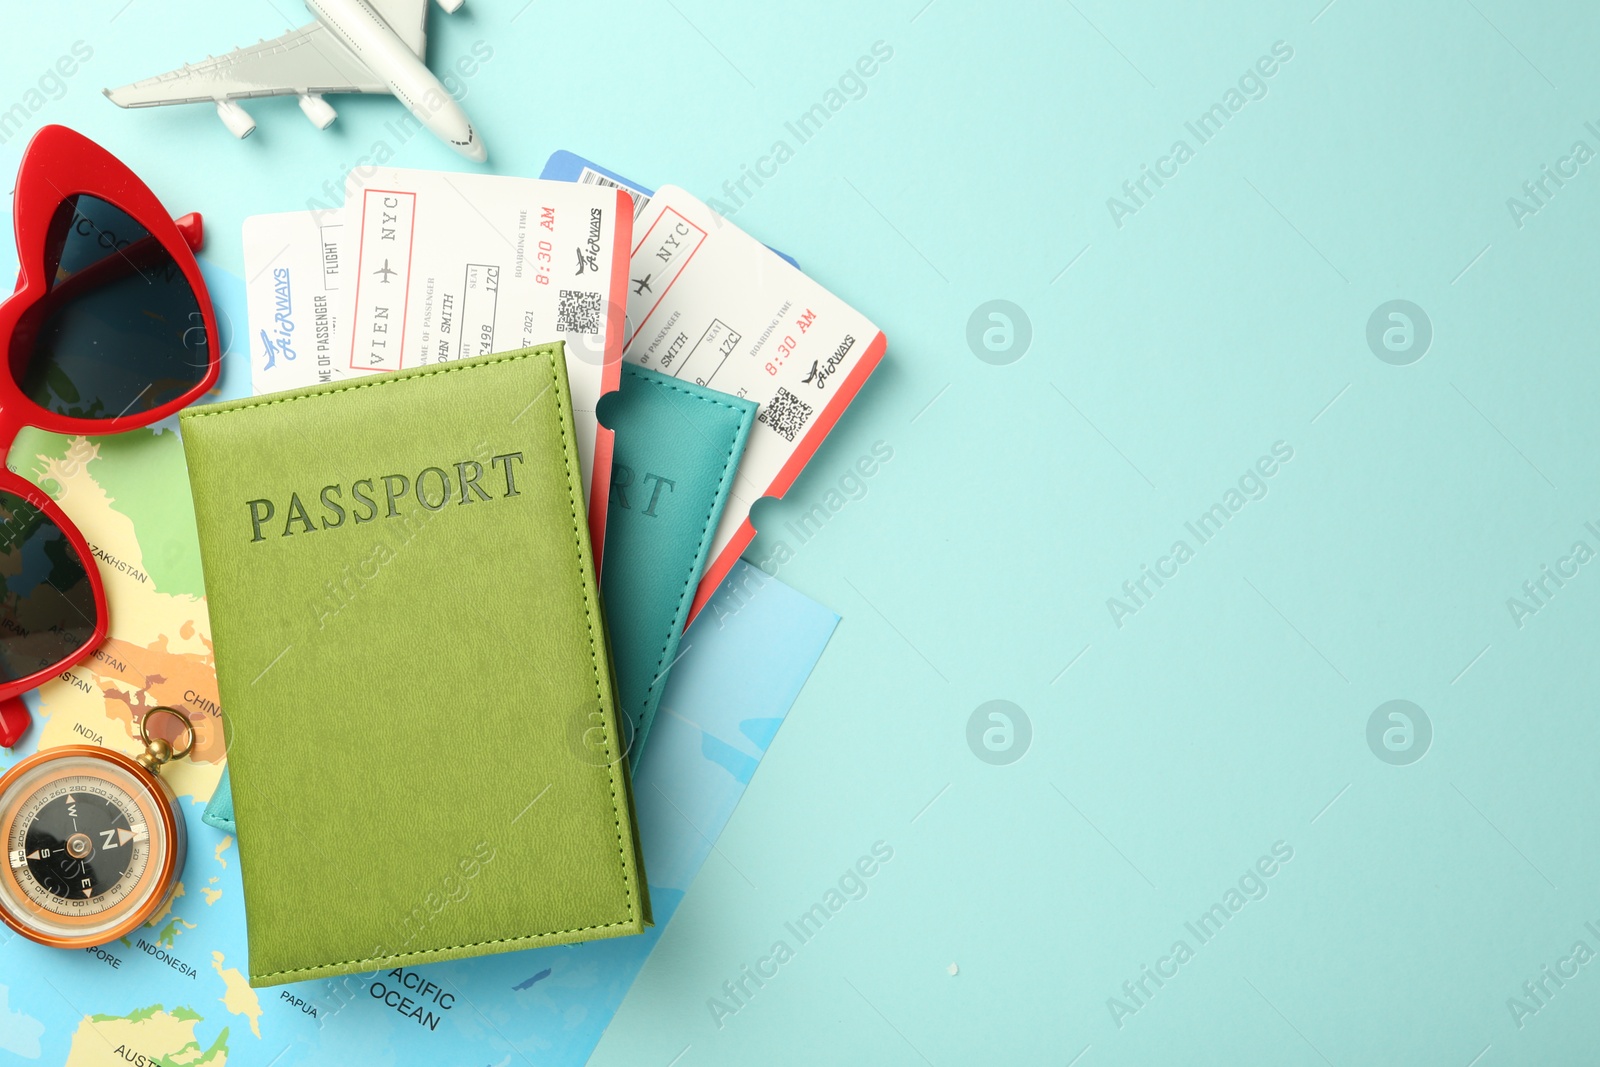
<point>424,742</point>
<point>219,809</point>
<point>677,447</point>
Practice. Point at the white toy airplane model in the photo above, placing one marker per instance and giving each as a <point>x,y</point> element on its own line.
<point>355,46</point>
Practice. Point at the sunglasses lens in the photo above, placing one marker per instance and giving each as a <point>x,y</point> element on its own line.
<point>47,610</point>
<point>120,330</point>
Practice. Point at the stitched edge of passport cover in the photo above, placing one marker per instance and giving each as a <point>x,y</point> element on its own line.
<point>219,809</point>
<point>745,410</point>
<point>553,355</point>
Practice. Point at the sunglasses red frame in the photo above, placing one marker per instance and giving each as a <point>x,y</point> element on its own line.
<point>58,164</point>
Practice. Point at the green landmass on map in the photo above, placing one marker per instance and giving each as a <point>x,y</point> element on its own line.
<point>149,1035</point>
<point>181,1012</point>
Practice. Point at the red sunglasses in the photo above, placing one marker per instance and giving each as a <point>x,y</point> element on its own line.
<point>110,329</point>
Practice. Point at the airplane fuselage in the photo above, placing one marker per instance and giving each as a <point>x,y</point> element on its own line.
<point>362,30</point>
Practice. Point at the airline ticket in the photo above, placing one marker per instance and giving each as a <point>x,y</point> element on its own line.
<point>710,304</point>
<point>429,267</point>
<point>447,266</point>
<point>564,166</point>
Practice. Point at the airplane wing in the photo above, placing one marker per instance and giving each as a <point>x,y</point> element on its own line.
<point>409,20</point>
<point>307,60</point>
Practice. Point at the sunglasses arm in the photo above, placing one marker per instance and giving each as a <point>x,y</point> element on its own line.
<point>193,230</point>
<point>194,235</point>
<point>14,721</point>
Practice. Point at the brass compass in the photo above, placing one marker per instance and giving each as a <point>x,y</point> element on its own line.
<point>94,840</point>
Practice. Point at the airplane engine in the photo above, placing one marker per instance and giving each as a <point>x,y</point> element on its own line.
<point>236,118</point>
<point>318,110</point>
<point>451,6</point>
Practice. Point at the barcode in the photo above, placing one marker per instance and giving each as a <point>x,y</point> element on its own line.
<point>590,176</point>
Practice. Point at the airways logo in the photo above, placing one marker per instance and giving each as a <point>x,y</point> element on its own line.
<point>820,372</point>
<point>589,256</point>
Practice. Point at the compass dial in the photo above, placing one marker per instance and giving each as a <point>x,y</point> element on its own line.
<point>91,847</point>
<point>83,844</point>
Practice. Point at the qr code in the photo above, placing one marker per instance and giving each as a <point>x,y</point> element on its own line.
<point>579,312</point>
<point>785,413</point>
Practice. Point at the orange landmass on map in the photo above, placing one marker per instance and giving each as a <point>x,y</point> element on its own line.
<point>137,678</point>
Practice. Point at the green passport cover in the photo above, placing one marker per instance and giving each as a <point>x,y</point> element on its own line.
<point>424,744</point>
<point>677,447</point>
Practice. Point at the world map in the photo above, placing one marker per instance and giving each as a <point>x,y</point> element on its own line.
<point>174,992</point>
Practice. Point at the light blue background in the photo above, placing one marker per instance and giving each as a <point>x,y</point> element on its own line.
<point>1227,314</point>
